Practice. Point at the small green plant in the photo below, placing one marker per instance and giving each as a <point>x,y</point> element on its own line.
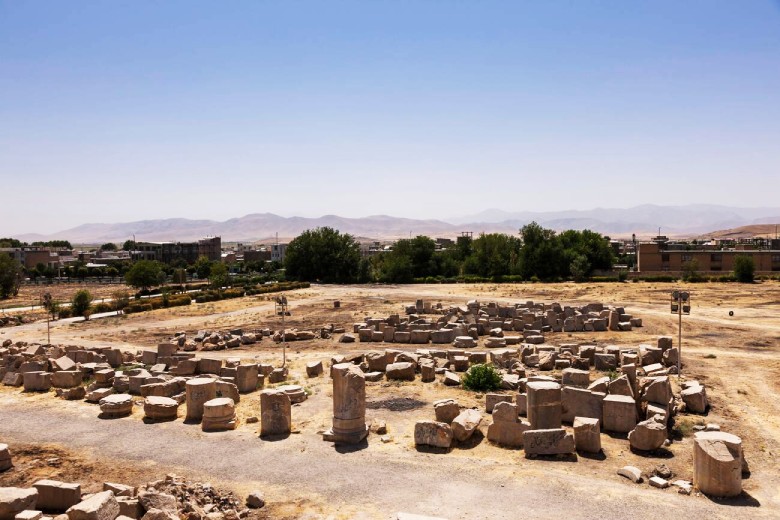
<point>482,378</point>
<point>612,375</point>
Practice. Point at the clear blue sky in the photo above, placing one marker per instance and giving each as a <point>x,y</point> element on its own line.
<point>116,111</point>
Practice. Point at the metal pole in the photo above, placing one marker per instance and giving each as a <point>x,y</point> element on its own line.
<point>284,339</point>
<point>679,340</point>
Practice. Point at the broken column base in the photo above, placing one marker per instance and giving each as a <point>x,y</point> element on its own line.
<point>353,437</point>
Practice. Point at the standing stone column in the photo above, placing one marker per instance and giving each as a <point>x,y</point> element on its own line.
<point>717,463</point>
<point>275,413</point>
<point>349,405</point>
<point>199,390</point>
<point>544,405</point>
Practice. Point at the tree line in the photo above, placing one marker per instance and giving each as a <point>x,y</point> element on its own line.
<point>326,255</point>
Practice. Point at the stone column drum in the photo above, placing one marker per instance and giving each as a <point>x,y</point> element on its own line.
<point>717,463</point>
<point>544,405</point>
<point>199,390</point>
<point>275,413</point>
<point>349,405</point>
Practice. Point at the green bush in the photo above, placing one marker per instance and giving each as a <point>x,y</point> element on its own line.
<point>103,307</point>
<point>64,313</point>
<point>744,268</point>
<point>482,378</point>
<point>82,302</point>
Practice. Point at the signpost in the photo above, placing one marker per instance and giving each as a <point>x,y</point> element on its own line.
<point>680,303</point>
<point>281,308</point>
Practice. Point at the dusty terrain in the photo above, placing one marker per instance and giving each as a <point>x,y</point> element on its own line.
<point>304,477</point>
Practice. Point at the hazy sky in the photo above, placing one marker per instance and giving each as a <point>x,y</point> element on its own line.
<point>116,111</point>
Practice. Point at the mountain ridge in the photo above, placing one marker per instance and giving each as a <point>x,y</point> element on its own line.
<point>644,220</point>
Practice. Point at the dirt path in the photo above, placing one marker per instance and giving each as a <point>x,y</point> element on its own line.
<point>367,483</point>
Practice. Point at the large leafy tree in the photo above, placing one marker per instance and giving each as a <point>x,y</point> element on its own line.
<point>10,276</point>
<point>143,274</point>
<point>541,255</point>
<point>323,254</point>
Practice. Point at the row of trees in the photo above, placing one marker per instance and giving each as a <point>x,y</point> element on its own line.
<point>326,255</point>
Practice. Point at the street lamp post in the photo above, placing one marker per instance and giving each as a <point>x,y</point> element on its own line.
<point>680,303</point>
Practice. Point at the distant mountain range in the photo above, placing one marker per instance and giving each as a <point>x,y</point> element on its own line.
<point>645,221</point>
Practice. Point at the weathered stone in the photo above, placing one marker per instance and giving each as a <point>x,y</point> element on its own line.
<point>658,482</point>
<point>159,408</point>
<point>621,386</point>
<point>464,425</point>
<point>446,410</point>
<point>37,381</point>
<point>349,405</point>
<point>255,500</point>
<point>554,441</point>
<point>57,496</point>
<point>605,362</point>
<point>5,458</point>
<point>219,414</point>
<point>507,429</point>
<point>100,506</point>
<point>491,400</point>
<point>275,413</point>
<point>432,433</point>
<point>451,379</point>
<point>401,371</point>
<point>248,377</point>
<point>66,378</point>
<point>314,369</point>
<point>156,500</point>
<point>574,377</point>
<point>587,435</point>
<point>632,473</point>
<point>116,405</point>
<point>544,405</point>
<point>695,399</point>
<point>580,402</point>
<point>15,500</point>
<point>647,436</point>
<point>717,463</point>
<point>199,391</point>
<point>620,413</point>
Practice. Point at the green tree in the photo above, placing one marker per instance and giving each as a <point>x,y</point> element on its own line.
<point>203,267</point>
<point>108,246</point>
<point>542,254</point>
<point>218,277</point>
<point>494,254</point>
<point>11,242</point>
<point>81,303</point>
<point>323,254</point>
<point>482,378</point>
<point>144,274</point>
<point>744,268</point>
<point>129,245</point>
<point>690,271</point>
<point>10,276</point>
<point>580,268</point>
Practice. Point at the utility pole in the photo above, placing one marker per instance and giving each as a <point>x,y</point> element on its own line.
<point>47,303</point>
<point>680,303</point>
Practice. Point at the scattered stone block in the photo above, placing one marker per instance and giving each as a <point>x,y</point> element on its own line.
<point>619,413</point>
<point>451,379</point>
<point>37,381</point>
<point>14,500</point>
<point>433,433</point>
<point>446,410</point>
<point>658,482</point>
<point>632,473</point>
<point>491,400</point>
<point>695,399</point>
<point>5,458</point>
<point>100,506</point>
<point>464,425</point>
<point>587,435</point>
<point>403,371</point>
<point>314,369</point>
<point>544,405</point>
<point>57,496</point>
<point>555,441</point>
<point>574,377</point>
<point>647,436</point>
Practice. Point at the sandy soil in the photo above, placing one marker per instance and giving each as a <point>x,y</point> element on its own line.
<point>736,357</point>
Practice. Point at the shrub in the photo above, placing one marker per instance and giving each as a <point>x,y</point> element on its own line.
<point>744,268</point>
<point>482,378</point>
<point>103,307</point>
<point>82,301</point>
<point>64,313</point>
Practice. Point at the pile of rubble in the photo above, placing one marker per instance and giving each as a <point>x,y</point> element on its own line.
<point>13,320</point>
<point>165,378</point>
<point>460,324</point>
<point>171,498</point>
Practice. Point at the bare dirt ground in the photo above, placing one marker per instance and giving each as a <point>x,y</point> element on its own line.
<point>304,477</point>
<point>60,292</point>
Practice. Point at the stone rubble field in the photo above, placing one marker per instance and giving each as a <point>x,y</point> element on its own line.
<point>588,391</point>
